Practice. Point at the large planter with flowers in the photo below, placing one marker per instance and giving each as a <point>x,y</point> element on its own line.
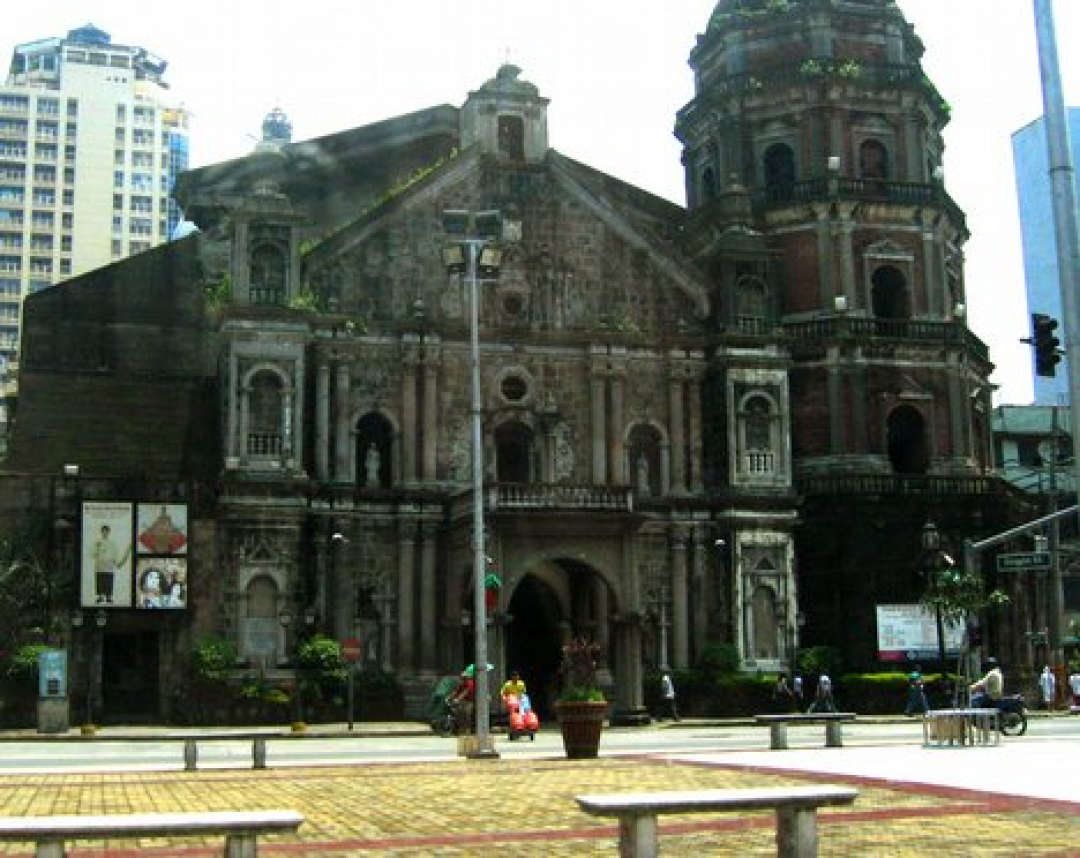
<point>581,707</point>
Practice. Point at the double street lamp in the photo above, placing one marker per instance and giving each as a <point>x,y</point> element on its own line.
<point>474,254</point>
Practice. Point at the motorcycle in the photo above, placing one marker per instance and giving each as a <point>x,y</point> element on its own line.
<point>1012,715</point>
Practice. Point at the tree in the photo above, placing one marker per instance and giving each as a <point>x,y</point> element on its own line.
<point>29,591</point>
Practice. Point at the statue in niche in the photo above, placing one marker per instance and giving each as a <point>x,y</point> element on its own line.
<point>372,460</point>
<point>643,473</point>
<point>564,454</point>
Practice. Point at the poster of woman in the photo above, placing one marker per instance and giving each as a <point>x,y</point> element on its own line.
<point>162,528</point>
<point>161,582</point>
<point>106,554</point>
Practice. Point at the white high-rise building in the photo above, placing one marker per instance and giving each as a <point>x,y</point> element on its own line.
<point>90,142</point>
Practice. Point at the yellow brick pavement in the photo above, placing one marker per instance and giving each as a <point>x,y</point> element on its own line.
<point>526,808</point>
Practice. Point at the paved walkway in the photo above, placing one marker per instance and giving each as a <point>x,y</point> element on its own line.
<point>526,807</point>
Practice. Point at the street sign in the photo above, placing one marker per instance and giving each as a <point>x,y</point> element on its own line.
<point>1024,560</point>
<point>350,649</point>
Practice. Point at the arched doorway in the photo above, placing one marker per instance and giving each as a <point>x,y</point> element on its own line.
<point>554,601</point>
<point>533,643</point>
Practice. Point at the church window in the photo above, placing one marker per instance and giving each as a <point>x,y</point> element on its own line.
<point>514,453</point>
<point>513,388</point>
<point>266,416</point>
<point>906,440</point>
<point>512,138</point>
<point>268,275</point>
<point>750,305</point>
<point>779,172</point>
<point>759,427</point>
<point>873,160</point>
<point>708,181</point>
<point>889,294</point>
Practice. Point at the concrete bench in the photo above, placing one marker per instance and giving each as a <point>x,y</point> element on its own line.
<point>960,727</point>
<point>258,750</point>
<point>778,724</point>
<point>241,828</point>
<point>796,813</point>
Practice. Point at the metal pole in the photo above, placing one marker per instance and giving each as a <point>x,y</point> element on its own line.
<point>1067,240</point>
<point>483,737</point>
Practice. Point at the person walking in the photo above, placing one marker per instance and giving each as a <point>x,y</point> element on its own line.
<point>823,698</point>
<point>1074,687</point>
<point>916,696</point>
<point>783,696</point>
<point>797,690</point>
<point>667,691</point>
<point>1047,687</point>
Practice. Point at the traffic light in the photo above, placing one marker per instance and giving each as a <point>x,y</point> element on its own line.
<point>1047,353</point>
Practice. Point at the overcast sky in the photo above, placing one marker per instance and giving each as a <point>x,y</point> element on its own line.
<point>616,73</point>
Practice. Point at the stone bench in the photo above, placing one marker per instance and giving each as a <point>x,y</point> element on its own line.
<point>960,727</point>
<point>778,724</point>
<point>241,828</point>
<point>795,806</point>
<point>258,749</point>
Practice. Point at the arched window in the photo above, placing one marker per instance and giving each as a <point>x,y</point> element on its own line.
<point>765,643</point>
<point>374,452</point>
<point>751,305</point>
<point>268,274</point>
<point>889,294</point>
<point>266,415</point>
<point>758,435</point>
<point>708,184</point>
<point>512,138</point>
<point>906,440</point>
<point>644,452</point>
<point>873,160</point>
<point>779,172</point>
<point>514,453</point>
<point>262,640</point>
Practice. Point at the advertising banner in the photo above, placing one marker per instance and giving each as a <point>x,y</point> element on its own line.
<point>106,554</point>
<point>162,528</point>
<point>909,633</point>
<point>161,582</point>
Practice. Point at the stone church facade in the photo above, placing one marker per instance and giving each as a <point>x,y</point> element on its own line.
<point>724,423</point>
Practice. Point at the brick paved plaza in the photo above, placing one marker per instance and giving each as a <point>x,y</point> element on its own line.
<point>521,807</point>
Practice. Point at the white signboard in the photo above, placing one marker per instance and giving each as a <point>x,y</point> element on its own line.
<point>909,633</point>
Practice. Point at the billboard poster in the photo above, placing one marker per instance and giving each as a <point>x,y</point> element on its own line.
<point>162,528</point>
<point>909,633</point>
<point>106,554</point>
<point>161,582</point>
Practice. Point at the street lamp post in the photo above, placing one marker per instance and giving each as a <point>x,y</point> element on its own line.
<point>473,253</point>
<point>931,545</point>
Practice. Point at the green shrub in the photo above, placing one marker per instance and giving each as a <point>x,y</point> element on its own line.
<point>719,659</point>
<point>819,659</point>
<point>23,666</point>
<point>211,659</point>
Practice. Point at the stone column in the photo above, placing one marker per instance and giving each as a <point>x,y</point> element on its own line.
<point>341,425</point>
<point>428,618</point>
<point>322,422</point>
<point>408,421</point>
<point>933,296</point>
<point>678,433</point>
<point>405,626</point>
<point>699,596</point>
<point>679,603</point>
<point>233,445</point>
<point>847,257</point>
<point>599,429</point>
<point>618,447</point>
<point>430,421</point>
<point>245,420</point>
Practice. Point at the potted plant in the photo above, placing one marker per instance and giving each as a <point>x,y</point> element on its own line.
<point>581,706</point>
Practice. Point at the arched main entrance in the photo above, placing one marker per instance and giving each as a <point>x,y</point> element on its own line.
<point>554,601</point>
